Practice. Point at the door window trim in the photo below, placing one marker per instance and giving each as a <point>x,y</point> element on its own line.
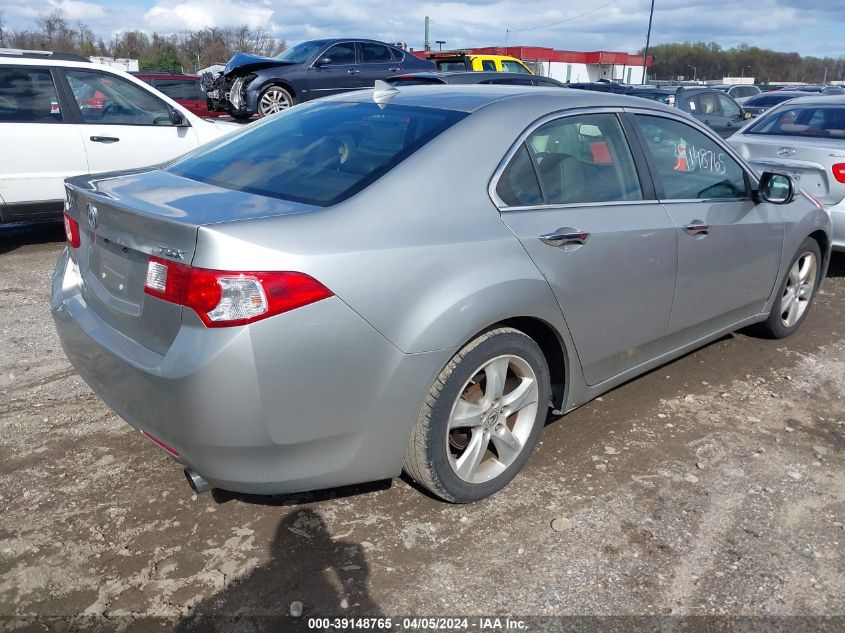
<point>643,174</point>
<point>751,180</point>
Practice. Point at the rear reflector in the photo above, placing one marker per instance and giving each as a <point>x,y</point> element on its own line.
<point>227,298</point>
<point>839,172</point>
<point>161,444</point>
<point>72,231</point>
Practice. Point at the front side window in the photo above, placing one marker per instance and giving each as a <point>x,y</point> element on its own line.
<point>689,164</point>
<point>28,95</point>
<point>318,153</point>
<point>729,107</point>
<point>815,120</point>
<point>374,53</point>
<point>514,67</point>
<point>184,89</point>
<point>341,54</point>
<point>584,158</point>
<point>105,99</point>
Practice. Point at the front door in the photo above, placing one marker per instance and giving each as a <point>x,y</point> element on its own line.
<point>336,71</point>
<point>123,125</point>
<point>729,247</point>
<point>574,198</point>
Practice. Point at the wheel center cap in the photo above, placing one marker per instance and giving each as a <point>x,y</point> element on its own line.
<point>492,419</point>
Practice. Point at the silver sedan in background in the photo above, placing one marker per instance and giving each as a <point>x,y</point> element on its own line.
<point>804,138</point>
<point>415,278</point>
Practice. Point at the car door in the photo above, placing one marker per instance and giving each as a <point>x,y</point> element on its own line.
<point>732,114</point>
<point>336,70</point>
<point>729,246</point>
<point>705,107</point>
<point>40,146</point>
<point>129,127</point>
<point>573,196</point>
<point>376,62</point>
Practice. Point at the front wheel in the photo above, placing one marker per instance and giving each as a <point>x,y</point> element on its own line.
<point>796,292</point>
<point>482,418</point>
<point>273,99</point>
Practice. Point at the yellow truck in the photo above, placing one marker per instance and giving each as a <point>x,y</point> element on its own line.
<point>460,60</point>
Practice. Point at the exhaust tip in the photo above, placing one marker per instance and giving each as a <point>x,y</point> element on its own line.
<point>197,483</point>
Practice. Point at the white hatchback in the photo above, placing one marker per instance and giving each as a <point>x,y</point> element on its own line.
<point>61,115</point>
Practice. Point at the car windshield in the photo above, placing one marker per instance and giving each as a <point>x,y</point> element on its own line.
<point>320,153</point>
<point>808,120</point>
<point>301,52</point>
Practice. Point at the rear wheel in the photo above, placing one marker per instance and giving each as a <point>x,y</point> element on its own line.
<point>273,99</point>
<point>482,418</point>
<point>796,292</point>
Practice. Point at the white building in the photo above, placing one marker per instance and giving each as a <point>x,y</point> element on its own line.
<point>129,65</point>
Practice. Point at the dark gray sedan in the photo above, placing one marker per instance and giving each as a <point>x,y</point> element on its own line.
<point>416,278</point>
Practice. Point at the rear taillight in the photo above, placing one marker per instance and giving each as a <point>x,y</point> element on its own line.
<point>839,172</point>
<point>226,298</point>
<point>72,231</point>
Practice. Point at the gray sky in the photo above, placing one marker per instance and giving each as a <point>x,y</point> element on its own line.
<point>810,27</point>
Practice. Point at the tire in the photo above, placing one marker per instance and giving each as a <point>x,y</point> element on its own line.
<point>241,116</point>
<point>791,305</point>
<point>481,455</point>
<point>274,99</point>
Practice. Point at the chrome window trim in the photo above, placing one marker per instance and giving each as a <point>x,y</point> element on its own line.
<point>552,116</point>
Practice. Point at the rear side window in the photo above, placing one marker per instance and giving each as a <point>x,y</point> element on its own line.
<point>584,159</point>
<point>823,121</point>
<point>317,154</point>
<point>518,185</point>
<point>28,95</point>
<point>706,103</point>
<point>184,89</point>
<point>690,165</point>
<point>374,53</point>
<point>488,65</point>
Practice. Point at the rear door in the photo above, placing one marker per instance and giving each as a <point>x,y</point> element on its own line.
<point>40,146</point>
<point>131,126</point>
<point>729,247</point>
<point>705,107</point>
<point>376,62</point>
<point>731,113</point>
<point>572,195</point>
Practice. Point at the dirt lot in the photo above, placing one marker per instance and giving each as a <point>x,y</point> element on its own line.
<point>714,485</point>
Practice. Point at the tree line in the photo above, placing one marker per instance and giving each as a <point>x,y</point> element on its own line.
<point>708,60</point>
<point>178,52</point>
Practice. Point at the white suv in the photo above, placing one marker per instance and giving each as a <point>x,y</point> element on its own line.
<point>61,115</point>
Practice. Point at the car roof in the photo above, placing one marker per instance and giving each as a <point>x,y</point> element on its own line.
<point>469,98</point>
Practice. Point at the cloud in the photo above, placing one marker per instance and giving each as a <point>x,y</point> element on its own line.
<point>195,14</point>
<point>76,10</point>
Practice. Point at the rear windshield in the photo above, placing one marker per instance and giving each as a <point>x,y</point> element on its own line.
<point>822,121</point>
<point>768,100</point>
<point>318,153</point>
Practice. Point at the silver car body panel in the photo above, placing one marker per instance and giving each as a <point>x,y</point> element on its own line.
<point>419,262</point>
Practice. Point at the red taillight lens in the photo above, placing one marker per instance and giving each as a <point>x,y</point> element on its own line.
<point>161,444</point>
<point>839,172</point>
<point>226,298</point>
<point>72,231</point>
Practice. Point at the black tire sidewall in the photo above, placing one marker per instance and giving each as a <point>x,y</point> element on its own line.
<point>774,325</point>
<point>500,344</point>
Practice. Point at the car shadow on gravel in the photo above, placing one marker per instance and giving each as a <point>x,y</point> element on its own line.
<point>13,236</point>
<point>310,573</point>
<point>837,265</point>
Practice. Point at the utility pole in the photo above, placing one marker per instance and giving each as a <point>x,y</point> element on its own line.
<point>694,72</point>
<point>647,42</point>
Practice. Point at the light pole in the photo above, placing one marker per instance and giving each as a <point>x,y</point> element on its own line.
<point>647,41</point>
<point>744,68</point>
<point>440,43</point>
<point>694,72</point>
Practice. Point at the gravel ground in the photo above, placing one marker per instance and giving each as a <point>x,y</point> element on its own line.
<point>711,486</point>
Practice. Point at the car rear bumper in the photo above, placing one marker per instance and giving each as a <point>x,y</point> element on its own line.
<point>309,399</point>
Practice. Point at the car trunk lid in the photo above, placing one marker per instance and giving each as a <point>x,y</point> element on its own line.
<point>809,161</point>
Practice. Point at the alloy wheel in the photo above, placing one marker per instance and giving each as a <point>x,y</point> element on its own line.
<point>273,101</point>
<point>492,418</point>
<point>799,289</point>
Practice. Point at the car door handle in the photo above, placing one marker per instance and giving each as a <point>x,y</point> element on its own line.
<point>394,69</point>
<point>564,237</point>
<point>105,139</point>
<point>697,227</point>
<point>352,71</point>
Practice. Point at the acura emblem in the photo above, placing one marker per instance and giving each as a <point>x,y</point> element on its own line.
<point>786,151</point>
<point>92,216</point>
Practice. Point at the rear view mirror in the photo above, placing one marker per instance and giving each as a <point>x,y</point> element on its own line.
<point>775,188</point>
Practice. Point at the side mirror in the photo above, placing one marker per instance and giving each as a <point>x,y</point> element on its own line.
<point>323,61</point>
<point>177,119</point>
<point>775,188</point>
<point>746,115</point>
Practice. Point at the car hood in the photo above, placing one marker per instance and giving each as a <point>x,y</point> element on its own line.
<point>243,62</point>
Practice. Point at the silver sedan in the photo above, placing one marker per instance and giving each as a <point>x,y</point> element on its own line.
<point>415,278</point>
<point>804,138</point>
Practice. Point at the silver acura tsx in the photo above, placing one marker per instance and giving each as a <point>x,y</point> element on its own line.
<point>415,278</point>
